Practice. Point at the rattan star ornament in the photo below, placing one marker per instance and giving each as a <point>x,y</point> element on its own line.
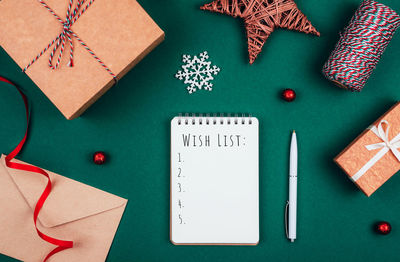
<point>261,17</point>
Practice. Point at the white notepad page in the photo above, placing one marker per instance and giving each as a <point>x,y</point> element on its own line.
<point>214,180</point>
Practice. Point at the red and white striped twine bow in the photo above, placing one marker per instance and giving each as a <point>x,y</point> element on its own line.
<point>73,15</point>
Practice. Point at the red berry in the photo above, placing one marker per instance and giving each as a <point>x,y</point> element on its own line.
<point>99,158</point>
<point>383,228</point>
<point>289,95</point>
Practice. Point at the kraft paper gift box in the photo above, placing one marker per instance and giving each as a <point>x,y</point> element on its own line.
<point>119,33</point>
<point>373,157</point>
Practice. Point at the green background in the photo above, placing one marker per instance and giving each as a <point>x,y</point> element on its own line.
<point>132,121</point>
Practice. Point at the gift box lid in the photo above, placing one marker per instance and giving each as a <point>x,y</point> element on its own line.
<point>120,33</point>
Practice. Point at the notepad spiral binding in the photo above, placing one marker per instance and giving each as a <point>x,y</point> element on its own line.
<point>214,119</point>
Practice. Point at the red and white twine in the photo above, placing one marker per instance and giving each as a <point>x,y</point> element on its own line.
<point>72,16</point>
<point>361,45</point>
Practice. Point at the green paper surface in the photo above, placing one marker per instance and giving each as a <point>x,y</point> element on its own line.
<point>131,123</point>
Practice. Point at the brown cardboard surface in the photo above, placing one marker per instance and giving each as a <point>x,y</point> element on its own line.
<point>356,155</point>
<point>119,32</point>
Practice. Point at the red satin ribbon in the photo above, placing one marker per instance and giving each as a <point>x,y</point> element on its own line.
<point>61,244</point>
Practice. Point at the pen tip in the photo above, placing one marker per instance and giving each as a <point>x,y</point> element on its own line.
<point>294,131</point>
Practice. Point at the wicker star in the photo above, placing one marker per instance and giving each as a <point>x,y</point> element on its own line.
<point>261,17</point>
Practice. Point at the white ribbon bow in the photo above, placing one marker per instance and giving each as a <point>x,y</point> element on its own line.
<point>386,146</point>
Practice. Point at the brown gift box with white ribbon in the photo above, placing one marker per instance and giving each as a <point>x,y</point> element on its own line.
<point>374,156</point>
<point>117,35</point>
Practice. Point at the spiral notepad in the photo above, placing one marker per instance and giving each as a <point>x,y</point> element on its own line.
<point>214,180</point>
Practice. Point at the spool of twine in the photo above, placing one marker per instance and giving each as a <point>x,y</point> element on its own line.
<point>361,45</point>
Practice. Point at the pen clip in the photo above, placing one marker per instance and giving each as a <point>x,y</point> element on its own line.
<point>286,219</point>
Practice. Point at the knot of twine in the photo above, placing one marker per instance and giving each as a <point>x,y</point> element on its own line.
<point>72,16</point>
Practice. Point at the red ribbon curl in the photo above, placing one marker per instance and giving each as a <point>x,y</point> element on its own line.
<point>61,244</point>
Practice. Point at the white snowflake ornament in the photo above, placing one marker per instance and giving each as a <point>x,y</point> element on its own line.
<point>197,72</point>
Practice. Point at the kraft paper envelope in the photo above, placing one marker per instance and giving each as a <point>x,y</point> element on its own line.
<point>73,211</point>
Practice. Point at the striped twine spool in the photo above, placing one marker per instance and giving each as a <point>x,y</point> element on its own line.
<point>361,45</point>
